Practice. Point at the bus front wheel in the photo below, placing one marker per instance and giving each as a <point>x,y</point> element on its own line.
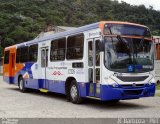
<point>74,93</point>
<point>22,85</point>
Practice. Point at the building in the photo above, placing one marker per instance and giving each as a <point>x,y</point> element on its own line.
<point>157,47</point>
<point>157,57</point>
<point>49,30</point>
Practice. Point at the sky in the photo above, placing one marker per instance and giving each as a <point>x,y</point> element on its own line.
<point>147,3</point>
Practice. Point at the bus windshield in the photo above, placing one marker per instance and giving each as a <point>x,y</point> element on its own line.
<point>125,29</point>
<point>128,54</point>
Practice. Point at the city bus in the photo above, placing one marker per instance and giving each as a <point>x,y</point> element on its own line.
<point>107,61</point>
<point>156,40</point>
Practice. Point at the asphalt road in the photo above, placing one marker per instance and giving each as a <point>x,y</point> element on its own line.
<point>14,104</point>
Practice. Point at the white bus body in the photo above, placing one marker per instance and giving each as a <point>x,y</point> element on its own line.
<point>90,74</point>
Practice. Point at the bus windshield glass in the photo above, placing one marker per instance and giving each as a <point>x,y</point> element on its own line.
<point>125,29</point>
<point>128,54</point>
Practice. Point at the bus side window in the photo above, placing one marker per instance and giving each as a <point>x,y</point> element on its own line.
<point>18,55</point>
<point>6,57</point>
<point>33,53</point>
<point>24,54</point>
<point>75,46</point>
<point>58,48</point>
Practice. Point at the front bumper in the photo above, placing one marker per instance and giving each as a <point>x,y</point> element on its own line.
<point>120,93</point>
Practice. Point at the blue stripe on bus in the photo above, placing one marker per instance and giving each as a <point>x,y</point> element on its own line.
<point>107,92</point>
<point>27,68</point>
<point>9,80</point>
<point>52,86</point>
<point>14,80</point>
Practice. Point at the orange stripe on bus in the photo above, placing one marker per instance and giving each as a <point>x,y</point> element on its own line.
<point>12,68</point>
<point>26,76</point>
<point>16,69</point>
<point>11,48</point>
<point>102,24</point>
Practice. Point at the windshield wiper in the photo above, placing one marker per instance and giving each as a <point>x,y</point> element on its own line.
<point>110,30</point>
<point>129,47</point>
<point>120,38</point>
<point>141,43</point>
<point>111,37</point>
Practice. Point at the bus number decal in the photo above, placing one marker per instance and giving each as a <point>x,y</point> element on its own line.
<point>71,71</point>
<point>79,71</point>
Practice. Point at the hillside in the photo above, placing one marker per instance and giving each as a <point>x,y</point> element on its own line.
<point>22,20</point>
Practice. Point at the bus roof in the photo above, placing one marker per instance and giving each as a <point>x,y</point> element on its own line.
<point>73,31</point>
<point>102,23</point>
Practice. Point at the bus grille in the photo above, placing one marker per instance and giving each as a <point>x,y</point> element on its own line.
<point>132,79</point>
<point>133,92</point>
<point>131,85</point>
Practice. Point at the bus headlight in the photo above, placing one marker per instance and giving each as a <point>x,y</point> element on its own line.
<point>149,83</point>
<point>152,81</point>
<point>112,83</point>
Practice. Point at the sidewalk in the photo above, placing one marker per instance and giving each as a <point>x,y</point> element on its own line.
<point>157,94</point>
<point>157,91</point>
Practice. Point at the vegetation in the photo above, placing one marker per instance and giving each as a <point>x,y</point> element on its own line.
<point>158,87</point>
<point>22,20</point>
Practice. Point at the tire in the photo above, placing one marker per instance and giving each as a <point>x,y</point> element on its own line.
<point>21,85</point>
<point>74,93</point>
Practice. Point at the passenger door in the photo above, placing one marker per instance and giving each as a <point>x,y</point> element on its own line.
<point>44,65</point>
<point>94,67</point>
<point>12,64</point>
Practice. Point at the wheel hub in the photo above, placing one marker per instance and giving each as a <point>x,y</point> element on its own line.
<point>74,92</point>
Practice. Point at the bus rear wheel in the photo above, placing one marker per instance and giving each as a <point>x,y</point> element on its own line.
<point>22,85</point>
<point>74,93</point>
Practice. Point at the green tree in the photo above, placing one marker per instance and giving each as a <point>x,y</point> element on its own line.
<point>23,20</point>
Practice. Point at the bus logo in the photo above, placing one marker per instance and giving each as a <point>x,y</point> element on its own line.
<point>57,73</point>
<point>134,85</point>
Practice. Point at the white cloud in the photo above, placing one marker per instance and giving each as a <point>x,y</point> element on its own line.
<point>147,3</point>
